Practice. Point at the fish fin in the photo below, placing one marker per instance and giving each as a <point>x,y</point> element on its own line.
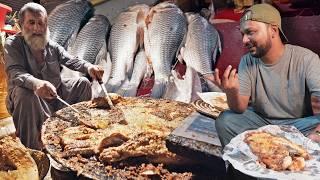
<point>149,17</point>
<point>216,50</point>
<point>129,68</point>
<point>141,26</point>
<point>159,88</point>
<point>140,37</point>
<point>146,41</point>
<point>196,86</point>
<point>179,58</point>
<point>149,71</point>
<point>149,68</point>
<point>219,44</point>
<point>181,55</point>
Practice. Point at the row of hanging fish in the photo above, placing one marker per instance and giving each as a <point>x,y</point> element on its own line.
<point>143,42</point>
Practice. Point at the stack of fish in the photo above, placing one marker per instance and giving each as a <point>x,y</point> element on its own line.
<point>91,45</point>
<point>66,20</point>
<point>143,41</point>
<point>126,37</point>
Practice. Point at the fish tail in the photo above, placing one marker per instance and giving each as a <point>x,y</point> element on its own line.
<point>159,88</point>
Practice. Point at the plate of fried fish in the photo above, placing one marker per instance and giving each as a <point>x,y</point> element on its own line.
<point>279,152</point>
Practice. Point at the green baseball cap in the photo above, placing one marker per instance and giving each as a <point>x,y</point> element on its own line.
<point>264,13</point>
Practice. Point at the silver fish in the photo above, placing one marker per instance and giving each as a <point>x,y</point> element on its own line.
<point>184,89</point>
<point>65,20</point>
<point>90,44</point>
<point>91,38</point>
<point>50,5</point>
<point>166,26</point>
<point>130,87</point>
<point>202,45</point>
<point>125,37</point>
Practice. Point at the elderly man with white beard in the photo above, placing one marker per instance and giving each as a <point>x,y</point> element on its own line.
<point>34,81</point>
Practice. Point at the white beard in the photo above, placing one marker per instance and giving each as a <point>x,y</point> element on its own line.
<point>36,42</point>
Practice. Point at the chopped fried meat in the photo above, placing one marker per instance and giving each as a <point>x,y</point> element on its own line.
<point>132,132</point>
<point>16,161</point>
<point>100,102</point>
<point>144,144</point>
<point>102,121</point>
<point>115,139</point>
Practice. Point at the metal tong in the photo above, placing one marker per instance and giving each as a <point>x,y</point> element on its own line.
<point>106,94</point>
<point>67,104</point>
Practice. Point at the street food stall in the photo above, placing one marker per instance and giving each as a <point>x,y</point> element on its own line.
<point>152,115</point>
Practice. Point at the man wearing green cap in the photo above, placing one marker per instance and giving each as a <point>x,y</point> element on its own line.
<point>276,83</point>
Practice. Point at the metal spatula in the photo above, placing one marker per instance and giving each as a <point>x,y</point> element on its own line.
<point>67,104</point>
<point>106,94</point>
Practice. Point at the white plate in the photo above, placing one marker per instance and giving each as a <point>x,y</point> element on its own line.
<point>215,99</point>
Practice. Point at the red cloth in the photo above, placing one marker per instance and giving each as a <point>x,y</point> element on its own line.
<point>286,10</point>
<point>303,31</point>
<point>232,48</point>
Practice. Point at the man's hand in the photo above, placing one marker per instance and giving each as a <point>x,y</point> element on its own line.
<point>229,82</point>
<point>315,104</point>
<point>45,89</point>
<point>96,72</point>
<point>315,135</point>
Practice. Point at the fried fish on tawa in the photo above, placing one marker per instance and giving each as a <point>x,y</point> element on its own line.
<point>145,143</point>
<point>86,141</point>
<point>277,153</point>
<point>143,115</point>
<point>15,160</point>
<point>102,102</point>
<point>102,119</point>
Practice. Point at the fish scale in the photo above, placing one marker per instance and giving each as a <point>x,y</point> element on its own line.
<point>65,20</point>
<point>123,44</point>
<point>202,42</point>
<point>90,45</point>
<point>165,33</point>
<point>201,48</point>
<point>91,39</point>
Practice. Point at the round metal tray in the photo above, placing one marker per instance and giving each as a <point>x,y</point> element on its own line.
<point>92,167</point>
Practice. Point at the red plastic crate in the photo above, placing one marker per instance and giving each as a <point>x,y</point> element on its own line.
<point>4,9</point>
